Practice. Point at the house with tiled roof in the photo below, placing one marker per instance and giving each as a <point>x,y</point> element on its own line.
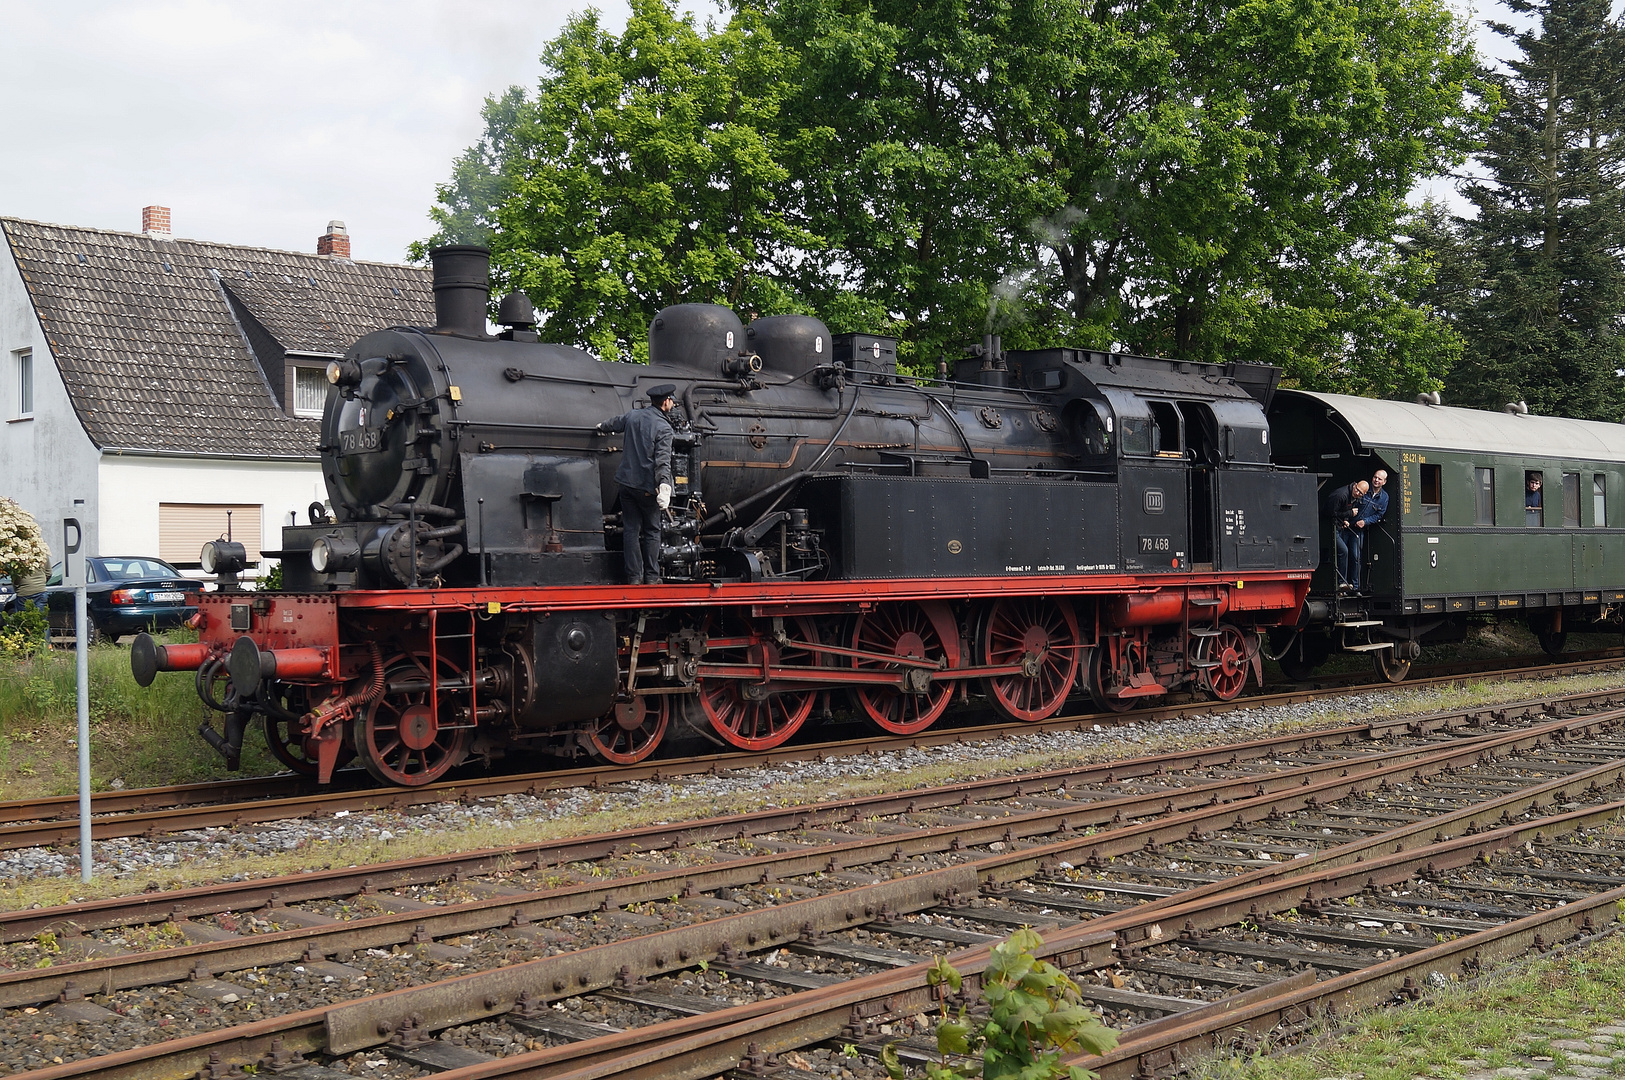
<point>176,386</point>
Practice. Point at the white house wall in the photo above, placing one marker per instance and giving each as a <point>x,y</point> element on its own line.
<point>133,486</point>
<point>46,462</point>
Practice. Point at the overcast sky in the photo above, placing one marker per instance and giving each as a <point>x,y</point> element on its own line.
<point>257,123</point>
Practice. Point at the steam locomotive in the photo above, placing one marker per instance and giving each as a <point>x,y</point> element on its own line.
<point>1049,522</point>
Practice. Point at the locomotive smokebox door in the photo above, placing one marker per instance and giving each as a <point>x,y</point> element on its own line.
<point>576,672</point>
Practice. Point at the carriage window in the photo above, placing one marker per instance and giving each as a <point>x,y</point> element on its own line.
<point>1533,514</point>
<point>1599,501</point>
<point>1432,508</point>
<point>1571,500</point>
<point>1166,426</point>
<point>1136,434</point>
<point>1484,485</point>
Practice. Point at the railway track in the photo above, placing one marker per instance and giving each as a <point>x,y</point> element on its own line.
<point>153,812</point>
<point>1189,894</point>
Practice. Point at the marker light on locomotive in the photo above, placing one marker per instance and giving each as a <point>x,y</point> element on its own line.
<point>223,557</point>
<point>331,554</point>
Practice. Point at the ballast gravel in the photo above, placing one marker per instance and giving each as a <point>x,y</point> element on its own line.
<point>139,856</point>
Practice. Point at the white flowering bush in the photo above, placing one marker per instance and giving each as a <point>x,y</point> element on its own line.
<point>22,547</point>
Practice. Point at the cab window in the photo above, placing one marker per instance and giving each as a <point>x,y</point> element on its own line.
<point>1136,434</point>
<point>1165,419</point>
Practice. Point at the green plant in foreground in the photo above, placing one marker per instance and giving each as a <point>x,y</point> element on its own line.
<point>1036,1018</point>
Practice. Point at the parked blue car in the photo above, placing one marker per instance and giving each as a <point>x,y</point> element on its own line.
<point>124,595</point>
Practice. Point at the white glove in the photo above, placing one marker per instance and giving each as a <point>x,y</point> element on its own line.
<point>663,496</point>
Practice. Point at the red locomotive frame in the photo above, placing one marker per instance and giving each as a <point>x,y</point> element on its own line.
<point>760,665</point>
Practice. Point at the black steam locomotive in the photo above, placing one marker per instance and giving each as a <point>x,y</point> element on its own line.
<point>1050,521</point>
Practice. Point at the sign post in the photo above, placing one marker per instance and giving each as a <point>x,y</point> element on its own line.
<point>81,648</point>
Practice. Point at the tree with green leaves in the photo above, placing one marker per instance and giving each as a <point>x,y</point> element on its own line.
<point>1220,181</point>
<point>1547,323</point>
<point>645,171</point>
<point>1213,182</point>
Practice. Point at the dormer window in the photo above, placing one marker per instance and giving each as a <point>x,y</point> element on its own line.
<point>309,390</point>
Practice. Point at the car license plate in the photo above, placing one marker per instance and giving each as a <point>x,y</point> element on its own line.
<point>168,597</point>
<point>361,440</point>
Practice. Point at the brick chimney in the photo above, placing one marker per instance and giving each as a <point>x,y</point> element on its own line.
<point>335,242</point>
<point>155,220</point>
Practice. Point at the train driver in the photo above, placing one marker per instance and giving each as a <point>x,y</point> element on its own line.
<point>645,479</point>
<point>1343,505</point>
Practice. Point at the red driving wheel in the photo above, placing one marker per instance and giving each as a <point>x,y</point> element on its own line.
<point>754,715</point>
<point>904,629</point>
<point>1042,636</point>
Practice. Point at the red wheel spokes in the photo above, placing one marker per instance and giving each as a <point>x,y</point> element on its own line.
<point>608,739</point>
<point>379,743</point>
<point>900,630</point>
<point>1229,651</point>
<point>748,722</point>
<point>1020,630</point>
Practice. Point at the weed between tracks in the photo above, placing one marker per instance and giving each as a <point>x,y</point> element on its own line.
<point>1507,1020</point>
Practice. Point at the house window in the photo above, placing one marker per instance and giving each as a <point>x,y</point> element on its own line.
<point>1571,500</point>
<point>1599,501</point>
<point>1484,485</point>
<point>309,391</point>
<point>1432,504</point>
<point>25,384</point>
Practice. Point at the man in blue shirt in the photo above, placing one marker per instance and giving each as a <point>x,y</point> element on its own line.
<point>646,482</point>
<point>1373,505</point>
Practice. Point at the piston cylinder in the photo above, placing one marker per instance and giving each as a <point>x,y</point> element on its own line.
<point>1167,606</point>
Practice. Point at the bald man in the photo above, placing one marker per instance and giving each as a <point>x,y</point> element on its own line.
<point>1343,506</point>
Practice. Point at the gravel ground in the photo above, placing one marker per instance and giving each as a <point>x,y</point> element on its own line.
<point>137,856</point>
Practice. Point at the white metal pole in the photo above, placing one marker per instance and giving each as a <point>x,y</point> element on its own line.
<point>81,648</point>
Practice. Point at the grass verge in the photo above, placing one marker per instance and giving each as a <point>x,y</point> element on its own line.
<point>1509,1019</point>
<point>138,737</point>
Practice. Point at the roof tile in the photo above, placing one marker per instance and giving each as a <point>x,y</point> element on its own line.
<point>152,357</point>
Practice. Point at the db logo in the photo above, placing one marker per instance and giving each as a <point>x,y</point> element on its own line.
<point>1153,500</point>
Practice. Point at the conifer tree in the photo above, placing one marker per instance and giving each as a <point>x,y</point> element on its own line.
<point>1545,324</point>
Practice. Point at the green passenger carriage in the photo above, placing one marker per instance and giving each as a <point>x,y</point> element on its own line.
<point>1458,541</point>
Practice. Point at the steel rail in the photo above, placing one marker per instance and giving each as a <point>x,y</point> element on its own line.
<point>107,974</point>
<point>1153,1049</point>
<point>705,1046</point>
<point>243,895</point>
<point>482,994</point>
<point>31,821</point>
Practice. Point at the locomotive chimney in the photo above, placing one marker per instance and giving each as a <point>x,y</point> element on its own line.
<point>462,290</point>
